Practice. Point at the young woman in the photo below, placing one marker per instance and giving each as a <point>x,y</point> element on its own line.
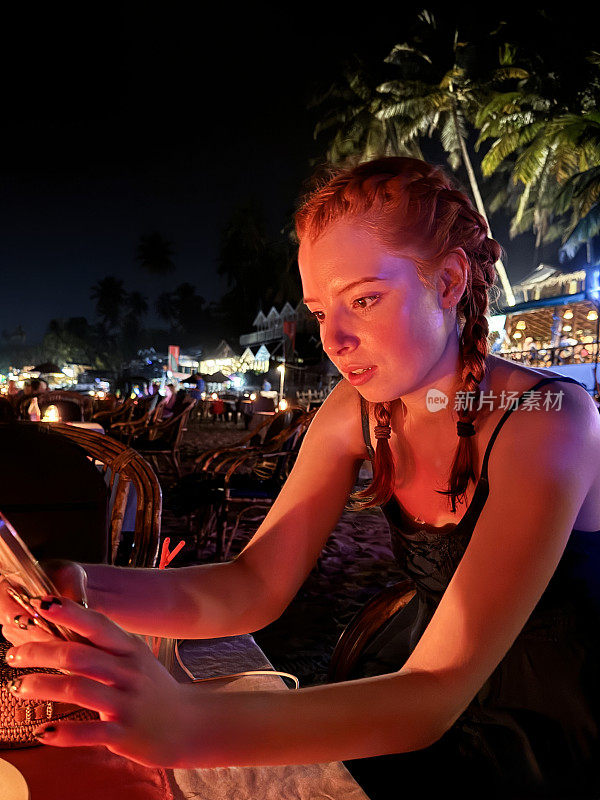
<point>494,513</point>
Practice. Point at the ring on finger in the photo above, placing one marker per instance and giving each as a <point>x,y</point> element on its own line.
<point>21,623</point>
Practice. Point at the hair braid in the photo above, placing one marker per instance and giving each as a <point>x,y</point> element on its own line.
<point>473,347</point>
<point>381,487</point>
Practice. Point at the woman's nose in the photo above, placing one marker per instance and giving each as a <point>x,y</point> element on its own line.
<point>338,340</point>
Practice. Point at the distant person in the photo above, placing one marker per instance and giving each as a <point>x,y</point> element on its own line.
<point>262,408</point>
<point>170,396</point>
<point>199,389</point>
<point>13,389</point>
<point>35,386</point>
<point>217,409</point>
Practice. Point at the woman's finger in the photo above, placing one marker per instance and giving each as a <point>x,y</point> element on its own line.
<point>69,689</point>
<point>92,625</point>
<point>79,734</point>
<point>16,620</point>
<point>74,658</point>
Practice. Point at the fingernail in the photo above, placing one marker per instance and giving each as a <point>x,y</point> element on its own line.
<point>15,685</point>
<point>46,605</point>
<point>46,730</point>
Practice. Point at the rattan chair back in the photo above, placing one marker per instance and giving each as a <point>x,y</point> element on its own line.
<point>125,468</point>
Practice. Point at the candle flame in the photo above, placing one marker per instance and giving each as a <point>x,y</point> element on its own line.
<point>51,414</point>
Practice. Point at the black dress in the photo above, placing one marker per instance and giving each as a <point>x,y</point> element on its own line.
<point>533,728</point>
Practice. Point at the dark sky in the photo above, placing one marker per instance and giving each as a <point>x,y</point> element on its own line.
<point>116,125</point>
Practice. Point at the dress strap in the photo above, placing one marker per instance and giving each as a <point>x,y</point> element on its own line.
<point>364,418</point>
<point>524,395</point>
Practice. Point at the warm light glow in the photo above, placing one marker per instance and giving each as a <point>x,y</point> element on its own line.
<point>283,405</point>
<point>521,325</point>
<point>281,368</point>
<point>567,328</point>
<point>214,396</point>
<point>101,395</point>
<point>517,335</point>
<point>253,396</point>
<point>568,315</point>
<point>592,315</point>
<point>51,414</point>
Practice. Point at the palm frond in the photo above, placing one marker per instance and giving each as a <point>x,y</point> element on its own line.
<point>499,150</point>
<point>583,232</point>
<point>509,73</point>
<point>398,54</point>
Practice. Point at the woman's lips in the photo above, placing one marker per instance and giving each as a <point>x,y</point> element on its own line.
<point>360,375</point>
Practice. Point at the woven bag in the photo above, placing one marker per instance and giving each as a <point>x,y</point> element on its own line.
<point>20,716</point>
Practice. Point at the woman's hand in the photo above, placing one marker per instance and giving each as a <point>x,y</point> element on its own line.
<point>142,709</point>
<point>70,580</point>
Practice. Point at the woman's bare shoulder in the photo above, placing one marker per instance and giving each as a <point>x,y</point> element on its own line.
<point>339,418</point>
<point>562,415</point>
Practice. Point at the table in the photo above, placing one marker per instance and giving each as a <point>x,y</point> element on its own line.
<point>95,773</point>
<point>91,426</point>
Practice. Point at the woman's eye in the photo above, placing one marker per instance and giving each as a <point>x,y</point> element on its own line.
<point>365,302</point>
<point>319,316</point>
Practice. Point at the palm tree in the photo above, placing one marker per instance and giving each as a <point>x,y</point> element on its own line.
<point>137,305</point>
<point>166,309</point>
<point>554,156</point>
<point>436,92</point>
<point>110,298</point>
<point>155,254</point>
<point>580,193</point>
<point>350,109</point>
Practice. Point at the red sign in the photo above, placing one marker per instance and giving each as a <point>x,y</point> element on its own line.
<point>173,359</point>
<point>289,329</point>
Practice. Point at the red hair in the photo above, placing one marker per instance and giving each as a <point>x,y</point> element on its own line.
<point>413,209</point>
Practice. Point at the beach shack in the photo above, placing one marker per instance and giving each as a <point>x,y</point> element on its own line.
<point>554,323</point>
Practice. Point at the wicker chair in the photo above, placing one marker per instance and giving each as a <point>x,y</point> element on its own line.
<point>120,413</point>
<point>365,626</point>
<point>66,402</point>
<point>124,467</point>
<point>164,439</point>
<point>273,430</point>
<point>72,406</point>
<point>128,431</point>
<point>250,481</point>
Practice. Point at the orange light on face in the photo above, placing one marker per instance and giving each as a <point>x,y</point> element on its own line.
<point>51,414</point>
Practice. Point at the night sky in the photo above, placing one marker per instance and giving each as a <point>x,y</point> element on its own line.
<point>114,126</point>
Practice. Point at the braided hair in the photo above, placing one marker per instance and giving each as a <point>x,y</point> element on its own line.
<point>412,208</point>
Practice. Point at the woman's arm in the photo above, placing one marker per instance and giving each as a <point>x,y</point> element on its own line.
<point>243,595</point>
<point>512,555</point>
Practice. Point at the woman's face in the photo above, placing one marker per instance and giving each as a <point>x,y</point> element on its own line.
<point>381,326</point>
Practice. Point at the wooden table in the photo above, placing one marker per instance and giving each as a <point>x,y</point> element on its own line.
<point>93,773</point>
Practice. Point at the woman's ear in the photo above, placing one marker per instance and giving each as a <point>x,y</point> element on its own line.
<point>452,278</point>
